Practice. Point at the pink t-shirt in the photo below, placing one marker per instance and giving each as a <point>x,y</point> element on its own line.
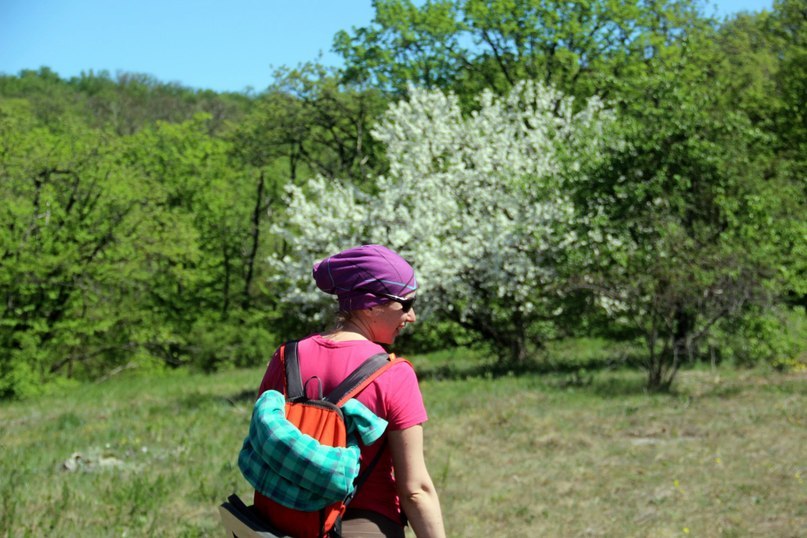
<point>393,396</point>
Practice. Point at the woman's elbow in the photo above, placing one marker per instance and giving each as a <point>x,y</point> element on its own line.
<point>417,494</point>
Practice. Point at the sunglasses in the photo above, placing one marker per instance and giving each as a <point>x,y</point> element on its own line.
<point>406,304</point>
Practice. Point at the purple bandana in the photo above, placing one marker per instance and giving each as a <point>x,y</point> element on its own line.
<point>353,274</point>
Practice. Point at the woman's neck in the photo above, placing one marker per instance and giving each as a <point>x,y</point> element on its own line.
<point>348,331</point>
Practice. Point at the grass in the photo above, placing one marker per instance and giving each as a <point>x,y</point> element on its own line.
<point>523,457</point>
<point>534,454</point>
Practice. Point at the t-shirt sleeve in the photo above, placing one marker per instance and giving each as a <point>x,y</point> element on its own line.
<point>273,378</point>
<point>403,400</point>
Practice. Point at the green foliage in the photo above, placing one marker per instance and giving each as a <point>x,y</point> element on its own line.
<point>138,215</point>
<point>313,124</point>
<point>698,224</point>
<point>582,48</point>
<point>763,72</point>
<point>703,190</point>
<point>405,44</point>
<point>116,248</point>
<point>776,337</point>
<point>66,210</point>
<point>435,335</point>
<point>692,246</point>
<point>124,104</point>
<point>214,344</point>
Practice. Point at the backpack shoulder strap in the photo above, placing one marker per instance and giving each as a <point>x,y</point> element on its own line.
<point>291,367</point>
<point>362,376</point>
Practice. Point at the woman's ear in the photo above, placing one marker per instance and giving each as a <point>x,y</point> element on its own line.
<point>366,314</point>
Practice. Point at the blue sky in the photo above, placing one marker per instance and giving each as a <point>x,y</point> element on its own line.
<point>221,45</point>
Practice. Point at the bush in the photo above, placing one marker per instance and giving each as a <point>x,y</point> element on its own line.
<point>217,344</point>
<point>777,336</point>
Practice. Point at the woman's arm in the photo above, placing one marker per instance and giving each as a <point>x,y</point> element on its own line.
<point>415,488</point>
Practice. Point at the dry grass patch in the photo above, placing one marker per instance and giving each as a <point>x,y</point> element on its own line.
<point>723,457</point>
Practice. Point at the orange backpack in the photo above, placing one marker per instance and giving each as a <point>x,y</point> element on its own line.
<point>322,419</point>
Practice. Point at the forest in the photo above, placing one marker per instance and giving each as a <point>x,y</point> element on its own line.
<point>631,171</point>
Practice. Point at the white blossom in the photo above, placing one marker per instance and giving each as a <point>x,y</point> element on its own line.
<point>477,203</point>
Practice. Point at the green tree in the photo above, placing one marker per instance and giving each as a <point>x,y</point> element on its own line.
<point>78,240</point>
<point>124,251</point>
<point>406,43</point>
<point>313,124</point>
<point>763,72</point>
<point>691,236</point>
<point>791,29</point>
<point>583,48</point>
<point>208,301</point>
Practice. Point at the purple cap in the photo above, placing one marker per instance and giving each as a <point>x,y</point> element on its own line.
<point>353,274</point>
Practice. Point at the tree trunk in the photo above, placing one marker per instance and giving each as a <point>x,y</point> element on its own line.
<point>256,223</point>
<point>518,348</point>
<point>225,305</point>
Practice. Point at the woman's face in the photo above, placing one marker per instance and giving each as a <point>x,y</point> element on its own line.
<point>387,320</point>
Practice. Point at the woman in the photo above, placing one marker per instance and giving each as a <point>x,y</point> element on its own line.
<point>376,291</point>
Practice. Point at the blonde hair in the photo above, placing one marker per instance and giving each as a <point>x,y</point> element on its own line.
<point>341,319</point>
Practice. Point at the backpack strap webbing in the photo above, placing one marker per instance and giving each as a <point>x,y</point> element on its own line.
<point>359,379</point>
<point>291,366</point>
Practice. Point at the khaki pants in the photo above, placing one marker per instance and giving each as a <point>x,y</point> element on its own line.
<point>369,524</point>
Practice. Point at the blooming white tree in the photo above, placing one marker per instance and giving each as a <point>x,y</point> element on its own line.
<point>479,204</point>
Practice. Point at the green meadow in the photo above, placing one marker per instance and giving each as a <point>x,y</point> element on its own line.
<point>532,453</point>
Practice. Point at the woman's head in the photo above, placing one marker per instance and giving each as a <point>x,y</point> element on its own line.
<point>374,285</point>
<point>365,276</point>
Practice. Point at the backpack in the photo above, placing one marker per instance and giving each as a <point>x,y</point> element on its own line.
<point>323,420</point>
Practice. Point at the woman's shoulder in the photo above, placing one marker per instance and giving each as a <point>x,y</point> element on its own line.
<point>325,343</point>
<point>401,372</point>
